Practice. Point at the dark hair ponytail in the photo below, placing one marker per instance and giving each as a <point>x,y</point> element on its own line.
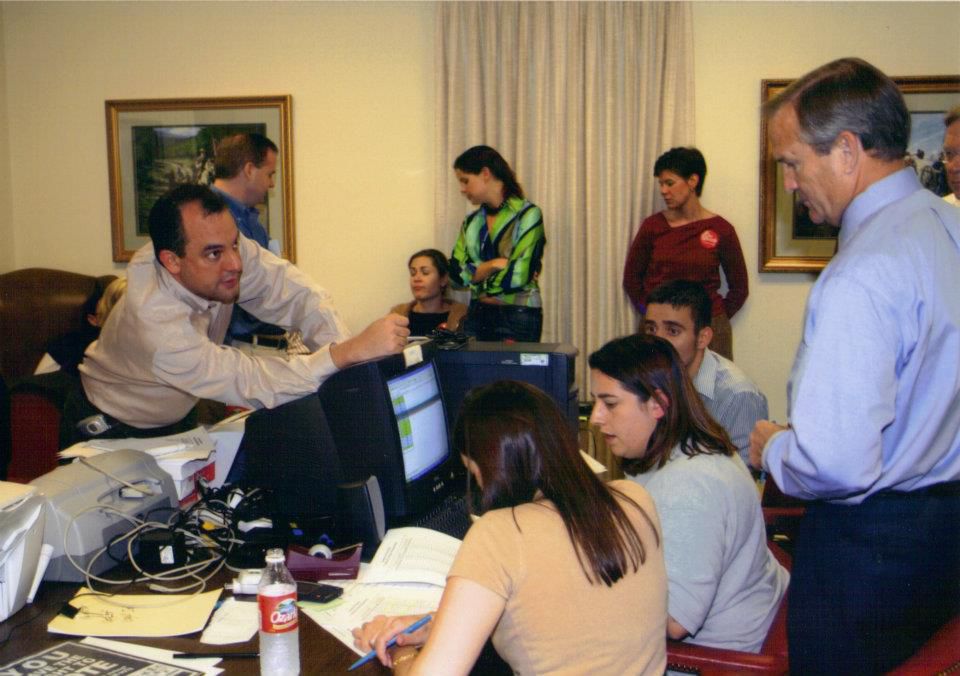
<point>523,446</point>
<point>473,160</point>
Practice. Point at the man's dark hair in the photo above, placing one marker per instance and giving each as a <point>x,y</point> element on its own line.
<point>848,95</point>
<point>682,293</point>
<point>166,221</point>
<point>233,152</point>
<point>684,162</point>
<point>952,116</point>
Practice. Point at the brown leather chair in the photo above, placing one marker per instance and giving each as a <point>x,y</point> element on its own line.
<point>771,660</point>
<point>36,306</point>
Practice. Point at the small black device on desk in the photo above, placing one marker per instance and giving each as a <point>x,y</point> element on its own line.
<point>318,592</point>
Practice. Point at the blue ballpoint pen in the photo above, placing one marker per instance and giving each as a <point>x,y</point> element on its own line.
<point>392,642</point>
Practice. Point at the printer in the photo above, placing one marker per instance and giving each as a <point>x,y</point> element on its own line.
<point>21,537</point>
<point>90,502</point>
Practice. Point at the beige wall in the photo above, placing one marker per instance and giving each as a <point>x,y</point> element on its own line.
<point>737,45</point>
<point>361,77</point>
<point>6,219</point>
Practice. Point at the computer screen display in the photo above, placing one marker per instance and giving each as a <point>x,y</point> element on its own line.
<point>418,408</point>
<point>387,418</point>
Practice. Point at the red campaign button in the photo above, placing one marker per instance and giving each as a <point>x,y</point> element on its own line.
<point>709,239</point>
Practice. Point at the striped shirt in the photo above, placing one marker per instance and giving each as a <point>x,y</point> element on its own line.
<point>518,236</point>
<point>731,398</point>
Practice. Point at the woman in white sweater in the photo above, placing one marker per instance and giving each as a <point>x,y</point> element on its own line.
<point>725,585</point>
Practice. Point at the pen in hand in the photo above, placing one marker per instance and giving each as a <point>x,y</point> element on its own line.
<point>392,642</point>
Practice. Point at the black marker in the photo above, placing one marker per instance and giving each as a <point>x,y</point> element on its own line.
<point>223,656</point>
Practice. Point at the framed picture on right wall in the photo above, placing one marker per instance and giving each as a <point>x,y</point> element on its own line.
<point>789,240</point>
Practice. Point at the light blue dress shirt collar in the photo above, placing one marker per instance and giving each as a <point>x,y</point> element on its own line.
<point>875,198</point>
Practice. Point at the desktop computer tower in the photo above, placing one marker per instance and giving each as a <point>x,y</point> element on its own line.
<point>549,366</point>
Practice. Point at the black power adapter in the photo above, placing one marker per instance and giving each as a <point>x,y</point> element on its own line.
<point>161,550</point>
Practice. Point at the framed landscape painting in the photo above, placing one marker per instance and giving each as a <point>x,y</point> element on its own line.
<point>155,144</point>
<point>789,240</point>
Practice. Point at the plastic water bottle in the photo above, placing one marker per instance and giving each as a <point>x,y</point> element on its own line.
<point>279,628</point>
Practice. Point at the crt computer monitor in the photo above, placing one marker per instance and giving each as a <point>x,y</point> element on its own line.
<point>388,419</point>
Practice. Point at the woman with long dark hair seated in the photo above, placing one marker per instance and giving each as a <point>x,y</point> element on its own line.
<point>725,585</point>
<point>564,571</point>
<point>430,308</point>
<point>498,252</point>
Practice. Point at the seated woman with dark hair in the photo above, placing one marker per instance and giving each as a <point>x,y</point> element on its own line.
<point>725,585</point>
<point>430,308</point>
<point>565,572</point>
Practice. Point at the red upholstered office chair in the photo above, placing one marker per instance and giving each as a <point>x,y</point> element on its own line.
<point>939,655</point>
<point>781,513</point>
<point>772,658</point>
<point>36,404</point>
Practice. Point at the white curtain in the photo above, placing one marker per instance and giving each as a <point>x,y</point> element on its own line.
<point>580,98</point>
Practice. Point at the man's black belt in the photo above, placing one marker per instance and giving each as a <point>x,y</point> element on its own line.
<point>944,489</point>
<point>278,341</point>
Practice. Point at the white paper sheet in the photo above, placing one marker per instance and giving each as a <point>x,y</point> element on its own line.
<point>413,555</point>
<point>233,622</point>
<point>594,464</point>
<point>208,666</point>
<point>195,444</point>
<point>362,602</point>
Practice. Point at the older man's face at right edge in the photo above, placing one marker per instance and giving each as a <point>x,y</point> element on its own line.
<point>951,156</point>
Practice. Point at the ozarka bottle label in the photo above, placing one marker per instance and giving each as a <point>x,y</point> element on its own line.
<point>278,614</point>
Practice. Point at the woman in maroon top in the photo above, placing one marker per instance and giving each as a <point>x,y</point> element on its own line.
<point>686,241</point>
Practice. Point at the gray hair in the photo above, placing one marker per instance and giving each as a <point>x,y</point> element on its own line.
<point>848,95</point>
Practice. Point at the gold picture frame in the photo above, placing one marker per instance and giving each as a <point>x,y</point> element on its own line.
<point>153,144</point>
<point>789,246</point>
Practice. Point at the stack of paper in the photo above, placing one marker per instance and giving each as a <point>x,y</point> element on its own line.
<point>185,456</point>
<point>193,445</point>
<point>406,577</point>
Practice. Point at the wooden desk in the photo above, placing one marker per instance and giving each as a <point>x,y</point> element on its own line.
<point>320,653</point>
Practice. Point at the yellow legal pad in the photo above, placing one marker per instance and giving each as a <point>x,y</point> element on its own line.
<point>136,614</point>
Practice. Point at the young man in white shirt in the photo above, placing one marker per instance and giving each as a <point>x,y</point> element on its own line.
<point>680,312</point>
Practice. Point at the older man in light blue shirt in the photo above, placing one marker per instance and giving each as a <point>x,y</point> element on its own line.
<point>875,388</point>
<point>874,435</point>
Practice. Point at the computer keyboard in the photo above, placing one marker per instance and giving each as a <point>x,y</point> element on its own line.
<point>449,516</point>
